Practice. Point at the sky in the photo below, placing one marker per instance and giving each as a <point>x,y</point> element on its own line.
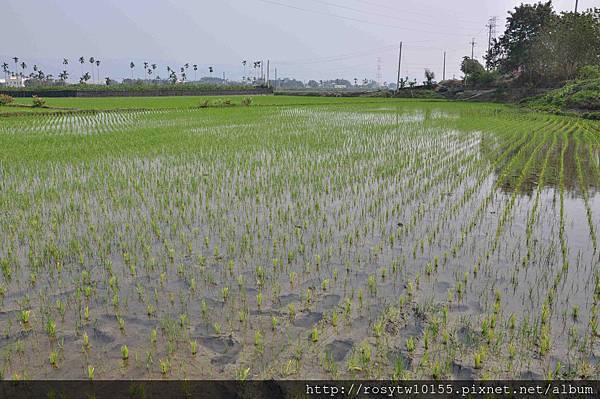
<point>304,39</point>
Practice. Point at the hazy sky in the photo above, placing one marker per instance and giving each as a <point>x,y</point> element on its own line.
<point>306,39</point>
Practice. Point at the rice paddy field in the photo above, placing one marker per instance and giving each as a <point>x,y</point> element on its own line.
<point>298,238</point>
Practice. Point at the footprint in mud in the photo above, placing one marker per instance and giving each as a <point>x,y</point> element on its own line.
<point>475,307</point>
<point>222,345</point>
<point>22,334</point>
<point>308,320</point>
<point>285,300</point>
<point>330,301</point>
<point>204,329</point>
<point>266,312</point>
<point>530,375</point>
<point>466,336</point>
<point>338,349</point>
<point>461,372</point>
<point>459,307</point>
<point>102,337</point>
<point>412,329</point>
<point>212,303</point>
<point>441,287</point>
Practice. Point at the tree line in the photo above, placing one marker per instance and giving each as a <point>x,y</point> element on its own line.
<point>540,47</point>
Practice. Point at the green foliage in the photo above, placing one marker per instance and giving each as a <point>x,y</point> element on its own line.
<point>5,99</point>
<point>543,48</point>
<point>513,49</point>
<point>566,44</point>
<point>429,76</point>
<point>475,73</point>
<point>589,72</point>
<point>584,99</point>
<point>138,87</point>
<point>470,66</point>
<point>38,102</point>
<point>581,96</point>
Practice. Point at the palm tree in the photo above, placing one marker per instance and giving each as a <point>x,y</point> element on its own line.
<point>257,64</point>
<point>92,61</point>
<point>195,69</point>
<point>86,76</point>
<point>244,62</point>
<point>131,66</point>
<point>81,61</point>
<point>63,76</point>
<point>16,60</point>
<point>5,69</point>
<point>98,69</point>
<point>23,66</point>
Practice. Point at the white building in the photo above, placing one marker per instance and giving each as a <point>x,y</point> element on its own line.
<point>13,81</point>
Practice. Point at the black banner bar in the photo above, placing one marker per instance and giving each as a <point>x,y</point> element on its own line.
<point>298,389</point>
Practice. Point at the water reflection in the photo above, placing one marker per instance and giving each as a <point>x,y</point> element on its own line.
<point>574,154</point>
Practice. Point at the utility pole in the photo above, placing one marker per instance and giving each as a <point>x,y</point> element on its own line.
<point>472,43</point>
<point>576,4</point>
<point>399,64</point>
<point>444,70</point>
<point>492,32</point>
<point>268,69</point>
<point>275,87</point>
<point>262,74</point>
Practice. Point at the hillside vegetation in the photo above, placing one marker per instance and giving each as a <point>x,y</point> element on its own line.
<point>580,97</point>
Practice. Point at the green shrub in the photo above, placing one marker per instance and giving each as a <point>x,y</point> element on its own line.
<point>585,99</point>
<point>592,115</point>
<point>246,101</point>
<point>5,100</point>
<point>589,72</point>
<point>38,102</point>
<point>483,78</point>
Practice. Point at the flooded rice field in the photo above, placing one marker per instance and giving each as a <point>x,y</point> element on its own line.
<point>371,240</point>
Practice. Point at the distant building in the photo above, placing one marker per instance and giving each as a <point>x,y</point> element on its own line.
<point>13,81</point>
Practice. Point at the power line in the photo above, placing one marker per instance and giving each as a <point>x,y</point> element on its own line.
<point>372,13</point>
<point>423,14</point>
<point>339,57</point>
<point>328,14</point>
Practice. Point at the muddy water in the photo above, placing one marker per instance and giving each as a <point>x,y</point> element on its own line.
<point>312,251</point>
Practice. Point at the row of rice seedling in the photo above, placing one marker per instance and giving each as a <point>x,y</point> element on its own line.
<point>343,240</point>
